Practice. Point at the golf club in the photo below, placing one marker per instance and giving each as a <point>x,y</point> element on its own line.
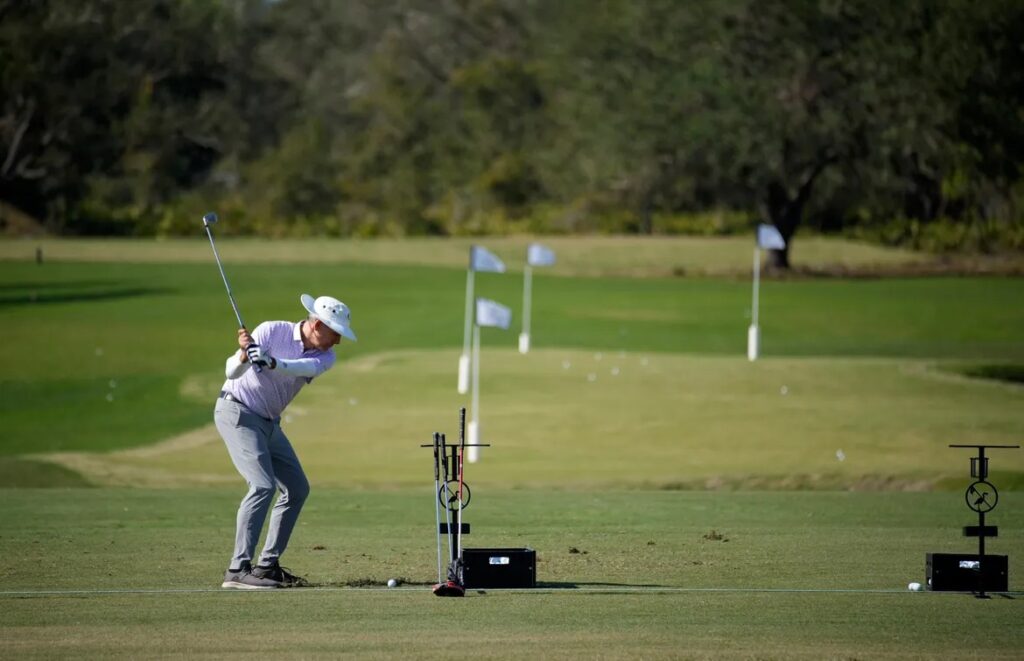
<point>450,587</point>
<point>437,503</point>
<point>462,448</point>
<point>453,494</point>
<point>444,487</point>
<point>211,219</point>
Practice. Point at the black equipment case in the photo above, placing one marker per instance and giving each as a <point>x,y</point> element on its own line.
<point>499,568</point>
<point>962,572</point>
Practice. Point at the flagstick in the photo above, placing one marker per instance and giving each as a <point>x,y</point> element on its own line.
<point>524,337</point>
<point>753,333</point>
<point>464,358</point>
<point>474,424</point>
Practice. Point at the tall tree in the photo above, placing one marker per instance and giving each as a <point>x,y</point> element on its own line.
<point>812,86</point>
<point>631,85</point>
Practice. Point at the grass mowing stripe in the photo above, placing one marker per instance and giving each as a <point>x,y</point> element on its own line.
<point>516,625</point>
<point>98,413</point>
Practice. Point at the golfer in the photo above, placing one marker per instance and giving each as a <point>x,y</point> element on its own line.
<point>248,417</point>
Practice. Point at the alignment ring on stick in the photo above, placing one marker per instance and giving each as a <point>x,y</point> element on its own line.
<point>448,495</point>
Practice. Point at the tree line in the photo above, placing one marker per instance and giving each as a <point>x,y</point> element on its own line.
<point>900,121</point>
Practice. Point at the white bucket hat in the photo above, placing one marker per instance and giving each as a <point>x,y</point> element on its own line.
<point>332,312</point>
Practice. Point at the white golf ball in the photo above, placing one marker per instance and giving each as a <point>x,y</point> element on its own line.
<point>392,582</point>
<point>914,587</point>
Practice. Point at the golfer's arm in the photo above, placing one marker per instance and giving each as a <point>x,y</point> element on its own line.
<point>235,366</point>
<point>306,367</point>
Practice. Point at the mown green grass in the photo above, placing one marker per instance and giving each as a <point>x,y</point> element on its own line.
<point>101,351</point>
<point>576,255</point>
<point>114,355</point>
<point>577,419</point>
<point>382,625</point>
<point>613,569</point>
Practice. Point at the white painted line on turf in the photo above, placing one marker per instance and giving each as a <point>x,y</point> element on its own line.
<point>537,590</point>
<point>682,590</point>
<point>59,593</point>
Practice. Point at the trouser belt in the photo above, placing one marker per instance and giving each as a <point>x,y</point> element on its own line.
<point>225,395</point>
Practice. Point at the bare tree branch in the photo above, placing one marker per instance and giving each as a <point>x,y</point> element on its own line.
<point>19,134</point>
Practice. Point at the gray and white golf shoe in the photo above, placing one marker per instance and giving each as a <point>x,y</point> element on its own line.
<point>244,579</point>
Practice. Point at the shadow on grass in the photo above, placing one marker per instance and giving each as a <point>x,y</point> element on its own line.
<point>45,297</point>
<point>1008,372</point>
<point>590,585</point>
<point>15,286</point>
<point>18,473</point>
<point>373,582</point>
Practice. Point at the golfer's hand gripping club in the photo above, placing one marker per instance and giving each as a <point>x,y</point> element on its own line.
<point>259,356</point>
<point>247,344</point>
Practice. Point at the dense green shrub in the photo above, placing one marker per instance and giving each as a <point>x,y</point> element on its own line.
<point>944,235</point>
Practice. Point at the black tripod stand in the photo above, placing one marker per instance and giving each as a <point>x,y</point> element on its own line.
<point>453,495</point>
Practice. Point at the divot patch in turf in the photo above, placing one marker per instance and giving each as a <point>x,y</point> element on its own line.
<point>369,582</point>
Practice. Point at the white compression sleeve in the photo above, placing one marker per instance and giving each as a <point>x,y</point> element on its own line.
<point>234,367</point>
<point>299,367</point>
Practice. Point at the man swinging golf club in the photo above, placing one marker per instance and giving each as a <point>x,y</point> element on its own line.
<point>248,417</point>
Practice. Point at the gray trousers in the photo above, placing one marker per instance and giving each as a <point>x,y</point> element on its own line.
<point>265,458</point>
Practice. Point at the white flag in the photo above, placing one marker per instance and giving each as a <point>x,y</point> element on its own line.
<point>538,255</point>
<point>481,259</point>
<point>768,237</point>
<point>489,313</point>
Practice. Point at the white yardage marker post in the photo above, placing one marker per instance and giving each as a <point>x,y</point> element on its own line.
<point>769,238</point>
<point>480,259</point>
<point>524,337</point>
<point>473,429</point>
<point>466,332</point>
<point>536,255</point>
<point>494,315</point>
<point>753,333</point>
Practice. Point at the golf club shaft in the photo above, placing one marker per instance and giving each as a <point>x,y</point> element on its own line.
<point>230,297</point>
<point>437,504</point>
<point>447,503</point>
<point>462,448</point>
<point>224,277</point>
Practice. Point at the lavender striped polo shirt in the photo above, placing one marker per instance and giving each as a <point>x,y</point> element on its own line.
<point>269,392</point>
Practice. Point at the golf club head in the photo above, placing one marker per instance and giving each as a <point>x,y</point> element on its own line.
<point>449,589</point>
<point>209,219</point>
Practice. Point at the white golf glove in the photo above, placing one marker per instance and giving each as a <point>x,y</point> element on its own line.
<point>259,356</point>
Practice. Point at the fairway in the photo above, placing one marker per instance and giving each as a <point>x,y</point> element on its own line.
<point>683,501</point>
<point>622,574</point>
<point>667,421</point>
